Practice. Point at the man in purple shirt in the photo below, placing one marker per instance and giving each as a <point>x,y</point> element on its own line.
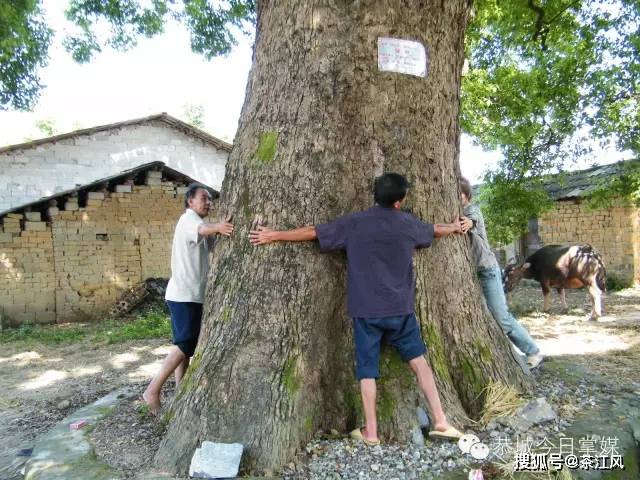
<point>380,243</point>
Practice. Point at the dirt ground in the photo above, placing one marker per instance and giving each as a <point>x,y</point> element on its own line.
<point>609,347</point>
<point>40,385</point>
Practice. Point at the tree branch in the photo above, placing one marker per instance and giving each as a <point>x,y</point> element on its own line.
<point>557,15</point>
<point>540,25</point>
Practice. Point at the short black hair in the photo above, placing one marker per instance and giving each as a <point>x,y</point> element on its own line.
<point>192,189</point>
<point>390,188</point>
<point>465,187</point>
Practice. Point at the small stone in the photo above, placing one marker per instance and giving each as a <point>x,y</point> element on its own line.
<point>216,460</point>
<point>375,467</point>
<point>78,425</point>
<point>334,432</point>
<point>417,438</point>
<point>423,418</point>
<point>537,411</point>
<point>515,424</point>
<point>63,405</point>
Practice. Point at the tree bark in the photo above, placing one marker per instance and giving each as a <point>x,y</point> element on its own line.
<point>319,123</point>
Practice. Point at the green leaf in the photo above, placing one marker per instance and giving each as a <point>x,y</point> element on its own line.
<point>24,46</point>
<point>508,206</point>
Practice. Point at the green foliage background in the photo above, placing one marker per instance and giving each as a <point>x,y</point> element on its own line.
<point>24,47</point>
<point>508,205</point>
<point>545,78</point>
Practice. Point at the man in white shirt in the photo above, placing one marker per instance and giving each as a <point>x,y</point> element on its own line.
<point>185,291</point>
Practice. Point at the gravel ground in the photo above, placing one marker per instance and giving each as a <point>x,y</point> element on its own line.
<point>347,459</point>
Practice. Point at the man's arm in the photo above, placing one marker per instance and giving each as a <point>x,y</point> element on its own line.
<point>264,235</point>
<point>208,229</point>
<point>444,229</point>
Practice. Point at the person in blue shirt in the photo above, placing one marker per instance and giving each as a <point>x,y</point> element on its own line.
<point>380,243</point>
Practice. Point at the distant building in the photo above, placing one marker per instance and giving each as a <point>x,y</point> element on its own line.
<point>70,256</point>
<point>43,167</point>
<point>614,232</point>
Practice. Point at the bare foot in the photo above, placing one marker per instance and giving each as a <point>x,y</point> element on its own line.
<point>153,401</point>
<point>370,438</point>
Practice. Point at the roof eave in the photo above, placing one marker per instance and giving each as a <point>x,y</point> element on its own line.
<point>162,117</point>
<point>112,178</point>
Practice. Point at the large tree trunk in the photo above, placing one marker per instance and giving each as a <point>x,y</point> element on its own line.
<point>275,360</point>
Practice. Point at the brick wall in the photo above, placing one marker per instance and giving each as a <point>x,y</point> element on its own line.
<point>86,158</point>
<point>27,277</point>
<point>614,232</point>
<point>75,266</point>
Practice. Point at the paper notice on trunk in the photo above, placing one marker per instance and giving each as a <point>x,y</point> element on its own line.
<point>402,56</point>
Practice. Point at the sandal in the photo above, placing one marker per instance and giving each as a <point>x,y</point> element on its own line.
<point>450,433</point>
<point>357,435</point>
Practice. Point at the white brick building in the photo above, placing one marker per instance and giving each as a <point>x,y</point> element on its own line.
<point>41,168</point>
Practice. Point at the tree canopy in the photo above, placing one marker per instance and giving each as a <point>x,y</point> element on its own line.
<point>24,46</point>
<point>545,79</point>
<point>543,76</point>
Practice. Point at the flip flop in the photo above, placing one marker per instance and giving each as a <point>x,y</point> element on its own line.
<point>449,434</point>
<point>357,435</point>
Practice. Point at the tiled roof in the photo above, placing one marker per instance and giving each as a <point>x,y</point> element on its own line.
<point>131,173</point>
<point>161,117</point>
<point>581,183</point>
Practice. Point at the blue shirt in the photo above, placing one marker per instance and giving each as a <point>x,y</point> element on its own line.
<point>379,243</point>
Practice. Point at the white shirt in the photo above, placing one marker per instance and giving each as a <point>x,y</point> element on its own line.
<point>189,261</point>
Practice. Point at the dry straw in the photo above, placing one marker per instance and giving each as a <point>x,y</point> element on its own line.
<point>500,401</point>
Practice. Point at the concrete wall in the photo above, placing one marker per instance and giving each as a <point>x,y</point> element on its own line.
<point>614,232</point>
<point>76,265</point>
<point>32,173</point>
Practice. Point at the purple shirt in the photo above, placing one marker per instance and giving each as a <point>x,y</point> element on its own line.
<point>379,243</point>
